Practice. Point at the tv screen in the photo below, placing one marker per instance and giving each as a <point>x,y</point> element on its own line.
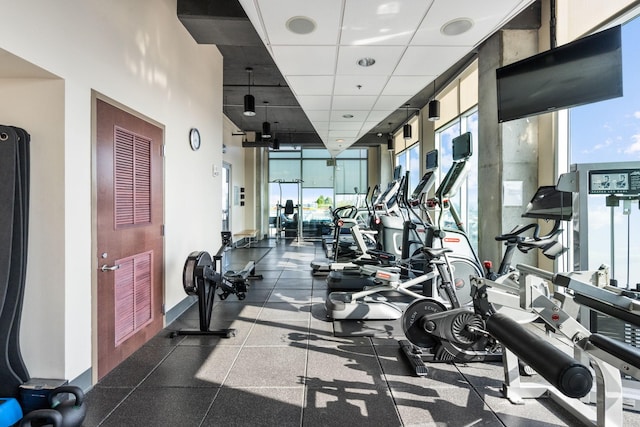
<point>581,72</point>
<point>462,146</point>
<point>431,161</point>
<point>397,172</point>
<point>549,203</point>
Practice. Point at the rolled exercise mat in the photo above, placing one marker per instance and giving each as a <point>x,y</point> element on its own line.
<point>21,222</point>
<point>9,380</point>
<point>562,371</point>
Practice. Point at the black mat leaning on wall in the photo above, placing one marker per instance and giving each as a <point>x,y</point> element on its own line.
<point>14,214</point>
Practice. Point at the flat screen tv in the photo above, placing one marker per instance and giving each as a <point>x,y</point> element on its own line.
<point>431,161</point>
<point>462,147</point>
<point>581,72</point>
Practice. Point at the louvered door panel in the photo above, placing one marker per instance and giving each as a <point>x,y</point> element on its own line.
<point>132,296</point>
<point>132,180</point>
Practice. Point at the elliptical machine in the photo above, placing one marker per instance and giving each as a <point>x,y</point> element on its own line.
<point>436,334</point>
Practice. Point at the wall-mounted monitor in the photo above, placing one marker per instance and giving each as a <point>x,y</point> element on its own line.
<point>581,72</point>
<point>462,148</point>
<point>397,172</point>
<point>431,161</point>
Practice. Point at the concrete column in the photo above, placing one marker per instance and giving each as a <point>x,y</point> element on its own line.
<point>508,152</point>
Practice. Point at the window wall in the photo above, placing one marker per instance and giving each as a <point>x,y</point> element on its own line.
<point>316,182</point>
<point>608,132</point>
<point>466,200</point>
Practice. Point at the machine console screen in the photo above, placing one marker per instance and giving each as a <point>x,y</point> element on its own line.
<point>614,181</point>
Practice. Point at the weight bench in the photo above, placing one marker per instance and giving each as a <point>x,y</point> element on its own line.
<point>247,237</point>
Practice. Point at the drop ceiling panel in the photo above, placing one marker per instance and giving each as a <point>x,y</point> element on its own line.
<point>368,85</point>
<point>318,115</point>
<point>381,22</point>
<point>386,58</point>
<point>358,116</point>
<point>346,125</point>
<point>326,14</point>
<point>305,60</point>
<point>315,102</point>
<point>485,16</point>
<point>390,103</point>
<point>429,60</point>
<point>311,85</point>
<point>362,102</point>
<point>343,133</point>
<point>406,85</point>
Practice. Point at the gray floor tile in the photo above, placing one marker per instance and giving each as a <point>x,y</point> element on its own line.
<point>194,366</point>
<point>165,406</point>
<point>268,367</point>
<point>135,368</point>
<point>354,364</point>
<point>341,403</point>
<point>295,296</point>
<point>102,400</point>
<point>257,407</point>
<point>459,406</point>
<point>270,333</point>
<point>279,311</point>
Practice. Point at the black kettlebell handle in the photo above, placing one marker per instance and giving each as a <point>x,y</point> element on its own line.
<point>46,415</point>
<point>71,389</point>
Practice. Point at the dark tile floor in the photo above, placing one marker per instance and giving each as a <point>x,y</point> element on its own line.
<point>285,367</point>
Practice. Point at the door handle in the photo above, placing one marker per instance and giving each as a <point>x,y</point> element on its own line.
<point>110,267</point>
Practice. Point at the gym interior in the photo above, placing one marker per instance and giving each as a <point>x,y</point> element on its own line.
<point>376,212</point>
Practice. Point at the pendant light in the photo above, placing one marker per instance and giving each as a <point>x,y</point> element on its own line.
<point>434,106</point>
<point>249,100</point>
<point>390,139</point>
<point>275,144</point>
<point>266,126</point>
<point>406,129</point>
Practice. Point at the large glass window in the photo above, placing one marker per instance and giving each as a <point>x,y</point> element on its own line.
<point>609,132</point>
<point>316,182</point>
<point>466,200</point>
<point>409,159</point>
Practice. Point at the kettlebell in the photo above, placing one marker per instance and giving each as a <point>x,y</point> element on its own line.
<point>73,411</point>
<point>51,417</point>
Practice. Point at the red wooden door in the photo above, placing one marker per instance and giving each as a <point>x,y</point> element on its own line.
<point>129,231</point>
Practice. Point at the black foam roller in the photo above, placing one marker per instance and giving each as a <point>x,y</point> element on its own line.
<point>565,373</point>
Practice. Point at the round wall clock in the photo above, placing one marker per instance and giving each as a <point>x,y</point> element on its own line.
<point>194,139</point>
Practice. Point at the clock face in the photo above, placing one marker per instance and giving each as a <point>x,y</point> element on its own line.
<point>194,139</point>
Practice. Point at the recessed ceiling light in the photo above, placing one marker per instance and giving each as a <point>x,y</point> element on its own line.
<point>339,140</point>
<point>366,62</point>
<point>347,116</point>
<point>301,25</point>
<point>456,27</point>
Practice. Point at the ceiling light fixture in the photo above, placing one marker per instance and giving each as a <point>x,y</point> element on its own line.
<point>434,106</point>
<point>276,143</point>
<point>347,116</point>
<point>390,139</point>
<point>249,100</point>
<point>266,126</point>
<point>456,27</point>
<point>366,62</point>
<point>301,25</point>
<point>406,129</point>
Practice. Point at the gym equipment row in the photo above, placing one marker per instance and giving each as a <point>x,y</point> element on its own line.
<point>16,396</point>
<point>201,277</point>
<point>502,304</point>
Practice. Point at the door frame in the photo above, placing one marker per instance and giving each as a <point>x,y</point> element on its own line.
<point>94,221</point>
<point>226,166</point>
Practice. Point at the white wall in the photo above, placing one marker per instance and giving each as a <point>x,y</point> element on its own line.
<point>138,54</point>
<point>234,155</point>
